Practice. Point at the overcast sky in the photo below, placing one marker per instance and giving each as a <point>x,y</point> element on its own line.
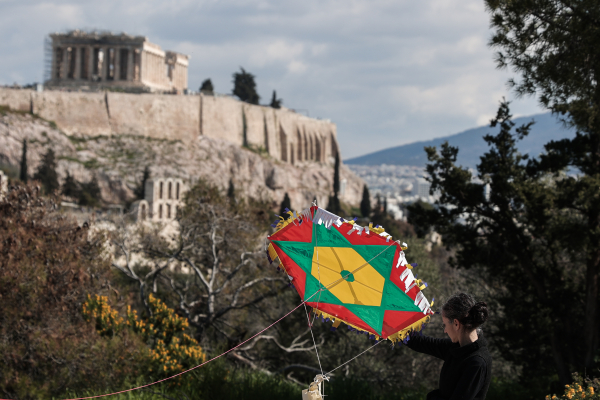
<point>387,72</point>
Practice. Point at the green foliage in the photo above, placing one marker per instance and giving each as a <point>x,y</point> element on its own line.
<point>333,205</point>
<point>231,191</point>
<point>140,190</point>
<point>207,87</point>
<point>90,193</point>
<point>47,263</point>
<point>275,102</point>
<point>9,170</point>
<point>580,389</point>
<point>552,45</point>
<point>244,87</point>
<point>170,350</point>
<point>46,173</point>
<point>415,212</point>
<point>23,173</point>
<point>528,239</point>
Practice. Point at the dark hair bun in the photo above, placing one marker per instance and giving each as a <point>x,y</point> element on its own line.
<point>477,316</point>
<point>463,307</point>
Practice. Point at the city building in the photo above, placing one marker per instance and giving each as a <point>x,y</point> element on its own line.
<point>100,60</point>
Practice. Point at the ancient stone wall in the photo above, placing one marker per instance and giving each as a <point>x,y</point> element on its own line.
<point>153,115</point>
<point>74,113</point>
<point>282,133</point>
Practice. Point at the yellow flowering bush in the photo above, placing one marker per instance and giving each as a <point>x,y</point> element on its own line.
<point>170,349</point>
<point>576,390</point>
<point>107,321</point>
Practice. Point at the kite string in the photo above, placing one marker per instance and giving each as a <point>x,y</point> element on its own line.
<point>197,366</point>
<point>310,323</point>
<point>353,358</point>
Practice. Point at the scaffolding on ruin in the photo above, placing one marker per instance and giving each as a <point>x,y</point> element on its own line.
<point>47,75</point>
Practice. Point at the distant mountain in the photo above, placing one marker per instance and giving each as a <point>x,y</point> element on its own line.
<point>470,144</point>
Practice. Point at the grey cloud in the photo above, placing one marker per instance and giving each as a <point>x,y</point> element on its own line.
<point>386,71</point>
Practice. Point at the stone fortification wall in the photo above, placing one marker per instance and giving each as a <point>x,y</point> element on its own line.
<point>74,113</point>
<point>156,116</point>
<point>282,133</point>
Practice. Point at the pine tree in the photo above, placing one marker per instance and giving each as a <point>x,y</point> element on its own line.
<point>207,87</point>
<point>231,192</point>
<point>244,87</point>
<point>285,203</point>
<point>334,201</point>
<point>140,190</point>
<point>275,102</point>
<point>70,187</point>
<point>90,194</point>
<point>46,173</point>
<point>23,175</point>
<point>365,203</point>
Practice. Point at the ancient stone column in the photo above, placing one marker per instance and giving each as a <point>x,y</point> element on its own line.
<point>104,70</point>
<point>54,62</point>
<point>90,64</point>
<point>77,54</point>
<point>117,64</point>
<point>65,64</point>
<point>130,64</point>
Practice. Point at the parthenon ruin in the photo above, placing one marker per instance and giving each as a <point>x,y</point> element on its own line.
<point>104,60</point>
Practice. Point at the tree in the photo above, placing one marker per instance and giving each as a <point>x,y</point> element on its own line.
<point>70,187</point>
<point>140,190</point>
<point>334,201</point>
<point>285,203</point>
<point>207,87</point>
<point>23,175</point>
<point>90,194</point>
<point>528,241</point>
<point>244,87</point>
<point>46,173</point>
<point>48,265</point>
<point>216,241</point>
<point>231,191</point>
<point>275,102</point>
<point>365,203</point>
<point>552,45</point>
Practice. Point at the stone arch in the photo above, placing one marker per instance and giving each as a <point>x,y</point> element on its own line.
<point>170,189</point>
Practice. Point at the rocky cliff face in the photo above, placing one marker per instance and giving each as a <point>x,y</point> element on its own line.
<point>283,134</point>
<point>118,162</point>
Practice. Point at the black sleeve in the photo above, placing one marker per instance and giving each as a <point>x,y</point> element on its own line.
<point>471,380</point>
<point>434,347</point>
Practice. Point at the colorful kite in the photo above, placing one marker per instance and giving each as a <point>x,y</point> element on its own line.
<point>351,274</point>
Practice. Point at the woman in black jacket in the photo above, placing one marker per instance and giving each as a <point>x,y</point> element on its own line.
<point>467,369</point>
